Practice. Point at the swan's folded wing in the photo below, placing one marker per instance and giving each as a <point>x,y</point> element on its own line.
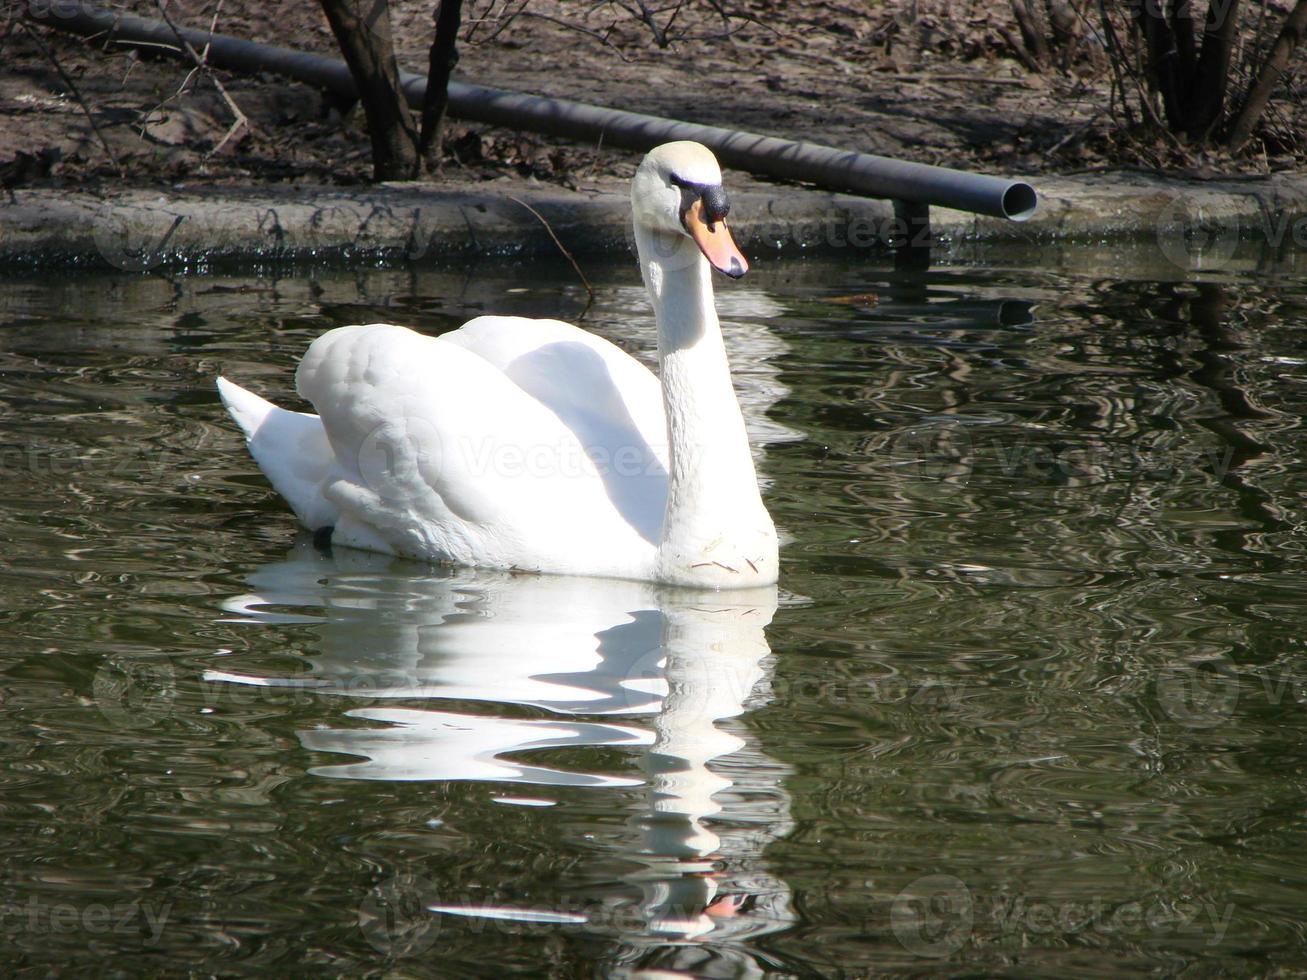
<point>440,453</point>
<point>596,388</point>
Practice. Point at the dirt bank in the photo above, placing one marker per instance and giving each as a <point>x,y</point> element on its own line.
<point>922,80</point>
<point>153,183</point>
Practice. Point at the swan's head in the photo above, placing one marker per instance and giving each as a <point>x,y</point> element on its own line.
<point>678,191</point>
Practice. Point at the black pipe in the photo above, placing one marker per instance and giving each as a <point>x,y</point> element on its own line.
<point>834,169</point>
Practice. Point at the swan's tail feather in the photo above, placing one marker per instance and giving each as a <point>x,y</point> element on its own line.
<point>247,408</point>
<point>290,447</point>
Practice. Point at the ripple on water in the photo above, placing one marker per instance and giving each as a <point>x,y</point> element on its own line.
<point>1033,699</point>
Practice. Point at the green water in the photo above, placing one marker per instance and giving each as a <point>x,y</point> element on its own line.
<point>1031,699</point>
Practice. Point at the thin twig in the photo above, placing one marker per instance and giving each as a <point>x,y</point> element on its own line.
<point>1075,135</point>
<point>505,22</point>
<point>637,10</point>
<point>213,26</point>
<point>966,79</point>
<point>473,23</point>
<point>1122,72</point>
<point>590,291</point>
<point>72,86</point>
<point>184,87</point>
<point>241,120</point>
<point>672,19</point>
<point>568,25</point>
<point>722,12</point>
<point>1115,59</point>
<point>723,35</point>
<point>646,15</point>
<point>6,32</point>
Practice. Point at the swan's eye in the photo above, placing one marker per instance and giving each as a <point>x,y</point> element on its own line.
<point>715,203</point>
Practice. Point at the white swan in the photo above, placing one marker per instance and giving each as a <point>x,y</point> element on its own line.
<point>531,444</point>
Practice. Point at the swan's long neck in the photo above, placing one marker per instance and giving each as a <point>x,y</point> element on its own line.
<point>714,511</point>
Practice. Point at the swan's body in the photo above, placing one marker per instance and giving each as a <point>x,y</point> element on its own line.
<point>534,445</point>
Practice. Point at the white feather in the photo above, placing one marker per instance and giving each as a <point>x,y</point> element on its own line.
<point>290,447</point>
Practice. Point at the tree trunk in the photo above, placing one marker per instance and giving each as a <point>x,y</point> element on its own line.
<point>1274,70</point>
<point>444,56</point>
<point>362,29</point>
<point>1191,81</point>
<point>1166,66</point>
<point>1206,99</point>
<point>1032,33</point>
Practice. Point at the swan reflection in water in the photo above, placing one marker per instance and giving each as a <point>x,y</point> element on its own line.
<point>617,664</point>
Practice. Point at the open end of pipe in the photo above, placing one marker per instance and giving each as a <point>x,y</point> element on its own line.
<point>1020,201</point>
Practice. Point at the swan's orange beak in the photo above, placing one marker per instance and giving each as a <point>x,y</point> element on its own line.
<point>715,242</point>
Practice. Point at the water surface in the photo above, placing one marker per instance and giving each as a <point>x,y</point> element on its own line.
<point>1029,699</point>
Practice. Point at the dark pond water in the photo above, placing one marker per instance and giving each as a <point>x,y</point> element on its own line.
<point>1031,699</point>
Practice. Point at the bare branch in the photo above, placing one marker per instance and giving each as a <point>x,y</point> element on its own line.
<point>72,87</point>
<point>568,25</point>
<point>241,121</point>
<point>505,21</point>
<point>644,13</point>
<point>638,10</point>
<point>590,291</point>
